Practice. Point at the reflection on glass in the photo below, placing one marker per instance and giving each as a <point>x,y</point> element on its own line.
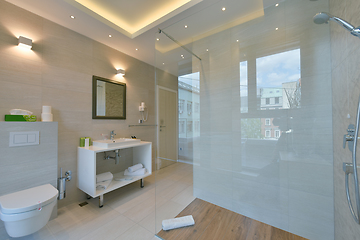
<point>278,80</point>
<point>189,114</point>
<point>244,87</point>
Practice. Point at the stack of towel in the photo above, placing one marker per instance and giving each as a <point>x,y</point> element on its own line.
<point>136,170</point>
<point>103,180</point>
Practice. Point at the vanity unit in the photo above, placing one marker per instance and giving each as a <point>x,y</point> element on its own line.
<point>141,153</point>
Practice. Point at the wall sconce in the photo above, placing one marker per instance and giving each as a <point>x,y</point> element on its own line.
<point>120,71</point>
<point>25,42</point>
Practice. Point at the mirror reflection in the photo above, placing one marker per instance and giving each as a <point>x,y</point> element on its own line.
<point>109,99</point>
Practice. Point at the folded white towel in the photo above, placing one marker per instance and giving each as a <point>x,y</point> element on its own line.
<point>104,177</point>
<point>178,222</point>
<point>103,185</point>
<point>138,172</point>
<point>135,167</point>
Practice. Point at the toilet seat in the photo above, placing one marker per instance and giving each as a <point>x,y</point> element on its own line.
<point>27,200</point>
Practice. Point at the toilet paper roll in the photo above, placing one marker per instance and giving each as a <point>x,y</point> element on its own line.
<point>46,117</point>
<point>46,109</point>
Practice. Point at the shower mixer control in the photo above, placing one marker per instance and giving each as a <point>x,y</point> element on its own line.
<point>349,137</point>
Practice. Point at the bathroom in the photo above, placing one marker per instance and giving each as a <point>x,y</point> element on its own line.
<point>58,71</point>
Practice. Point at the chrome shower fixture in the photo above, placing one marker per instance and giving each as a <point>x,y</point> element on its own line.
<point>324,17</point>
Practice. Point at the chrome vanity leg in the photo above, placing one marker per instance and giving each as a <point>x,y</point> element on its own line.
<point>142,183</point>
<point>101,201</point>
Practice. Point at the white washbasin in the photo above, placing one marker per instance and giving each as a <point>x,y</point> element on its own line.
<point>116,142</point>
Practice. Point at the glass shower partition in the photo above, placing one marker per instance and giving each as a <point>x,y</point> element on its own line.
<point>264,148</point>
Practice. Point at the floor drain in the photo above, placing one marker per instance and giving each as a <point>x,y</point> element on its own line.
<point>83,204</point>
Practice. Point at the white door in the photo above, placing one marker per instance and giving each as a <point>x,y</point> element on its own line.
<point>167,126</point>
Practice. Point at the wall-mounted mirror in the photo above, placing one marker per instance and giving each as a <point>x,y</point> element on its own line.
<point>109,99</point>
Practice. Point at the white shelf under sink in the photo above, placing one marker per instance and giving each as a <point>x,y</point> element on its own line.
<point>115,184</point>
<point>87,167</point>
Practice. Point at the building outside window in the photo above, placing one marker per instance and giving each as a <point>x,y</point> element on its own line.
<point>267,133</point>
<point>277,133</point>
<point>189,107</point>
<point>267,122</point>
<point>181,106</point>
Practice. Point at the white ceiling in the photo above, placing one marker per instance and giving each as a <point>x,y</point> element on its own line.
<point>134,26</point>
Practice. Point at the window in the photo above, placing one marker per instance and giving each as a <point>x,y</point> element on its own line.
<point>181,106</point>
<point>267,122</point>
<point>189,127</point>
<point>181,126</point>
<point>197,107</point>
<point>277,133</point>
<point>189,107</point>
<point>278,80</point>
<point>267,133</point>
<point>244,87</point>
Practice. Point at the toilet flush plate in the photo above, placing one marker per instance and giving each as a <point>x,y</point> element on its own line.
<point>18,139</point>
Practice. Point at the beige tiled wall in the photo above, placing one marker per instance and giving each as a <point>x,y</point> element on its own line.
<point>346,88</point>
<point>58,72</point>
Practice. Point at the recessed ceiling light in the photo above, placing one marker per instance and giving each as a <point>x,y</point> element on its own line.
<point>276,29</point>
<point>136,49</point>
<point>276,5</point>
<point>182,56</point>
<point>157,39</point>
<point>237,40</point>
<point>185,26</point>
<point>110,35</point>
<point>73,17</point>
<point>207,49</point>
<point>163,63</point>
<point>223,9</point>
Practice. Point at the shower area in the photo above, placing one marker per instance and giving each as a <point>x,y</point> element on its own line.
<point>274,97</point>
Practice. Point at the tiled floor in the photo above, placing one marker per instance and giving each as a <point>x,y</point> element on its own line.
<point>129,213</point>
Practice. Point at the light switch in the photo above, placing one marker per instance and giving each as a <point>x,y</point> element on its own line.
<point>23,138</point>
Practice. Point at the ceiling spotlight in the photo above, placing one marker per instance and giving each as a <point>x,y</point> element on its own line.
<point>25,42</point>
<point>185,26</point>
<point>276,29</point>
<point>223,9</point>
<point>73,17</point>
<point>136,49</point>
<point>157,39</point>
<point>237,40</point>
<point>276,5</point>
<point>207,49</point>
<point>182,56</point>
<point>110,35</point>
<point>163,63</point>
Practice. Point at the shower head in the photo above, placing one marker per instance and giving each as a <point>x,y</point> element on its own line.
<point>324,17</point>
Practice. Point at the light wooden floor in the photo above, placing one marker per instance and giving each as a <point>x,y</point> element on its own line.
<point>217,223</point>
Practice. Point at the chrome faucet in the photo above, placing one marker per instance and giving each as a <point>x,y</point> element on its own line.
<point>112,134</point>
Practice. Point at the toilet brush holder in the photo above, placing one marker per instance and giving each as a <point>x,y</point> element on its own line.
<point>62,187</point>
<point>62,183</point>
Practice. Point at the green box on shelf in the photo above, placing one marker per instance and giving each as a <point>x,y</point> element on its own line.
<point>15,118</point>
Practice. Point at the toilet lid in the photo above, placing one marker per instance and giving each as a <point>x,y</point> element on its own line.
<point>28,199</point>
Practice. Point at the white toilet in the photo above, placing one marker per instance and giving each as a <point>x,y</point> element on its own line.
<point>27,211</point>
